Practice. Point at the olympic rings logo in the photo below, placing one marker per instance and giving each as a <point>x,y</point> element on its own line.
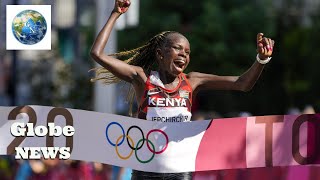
<point>134,148</point>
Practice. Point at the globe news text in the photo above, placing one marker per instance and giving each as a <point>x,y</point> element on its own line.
<point>19,129</point>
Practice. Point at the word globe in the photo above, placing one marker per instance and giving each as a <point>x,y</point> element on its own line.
<point>29,27</point>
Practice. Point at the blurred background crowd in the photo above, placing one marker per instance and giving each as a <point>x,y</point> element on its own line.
<point>222,35</point>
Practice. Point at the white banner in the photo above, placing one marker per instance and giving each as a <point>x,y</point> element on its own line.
<point>161,147</point>
<point>96,136</point>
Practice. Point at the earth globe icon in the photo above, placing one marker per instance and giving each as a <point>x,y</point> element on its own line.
<point>29,27</point>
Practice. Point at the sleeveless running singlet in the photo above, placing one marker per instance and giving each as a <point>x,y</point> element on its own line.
<point>165,105</point>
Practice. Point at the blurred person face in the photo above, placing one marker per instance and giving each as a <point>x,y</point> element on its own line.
<point>174,56</point>
<point>308,110</point>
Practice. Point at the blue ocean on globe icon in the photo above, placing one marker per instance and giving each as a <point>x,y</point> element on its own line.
<point>29,27</point>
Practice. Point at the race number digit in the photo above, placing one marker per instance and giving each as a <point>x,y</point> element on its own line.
<point>12,116</point>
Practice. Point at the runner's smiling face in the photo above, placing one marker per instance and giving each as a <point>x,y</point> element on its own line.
<point>174,56</point>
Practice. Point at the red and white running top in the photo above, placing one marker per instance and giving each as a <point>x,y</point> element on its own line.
<point>166,105</point>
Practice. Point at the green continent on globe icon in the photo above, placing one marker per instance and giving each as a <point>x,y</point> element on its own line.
<point>29,27</point>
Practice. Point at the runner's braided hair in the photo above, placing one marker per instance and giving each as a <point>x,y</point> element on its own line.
<point>144,56</point>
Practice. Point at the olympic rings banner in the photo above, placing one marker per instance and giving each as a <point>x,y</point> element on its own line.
<point>244,142</point>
